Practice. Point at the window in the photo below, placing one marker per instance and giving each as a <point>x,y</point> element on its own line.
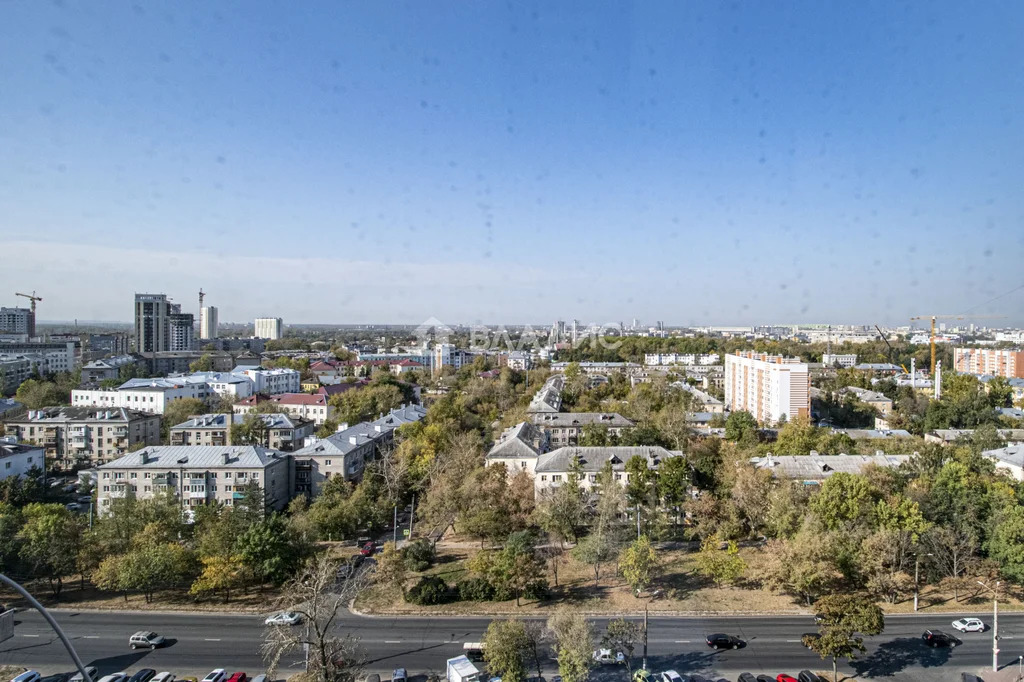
<point>145,475</point>
<point>618,477</point>
<point>556,478</point>
<point>106,488</point>
<point>327,462</point>
<point>255,474</point>
<point>134,475</point>
<point>106,475</point>
<point>7,465</point>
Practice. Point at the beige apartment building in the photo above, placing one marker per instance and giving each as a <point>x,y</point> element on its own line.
<point>196,475</point>
<point>770,387</point>
<point>566,428</point>
<point>85,436</point>
<point>284,432</point>
<point>991,361</point>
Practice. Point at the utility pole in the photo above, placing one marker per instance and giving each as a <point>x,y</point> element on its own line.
<point>394,527</point>
<point>638,522</point>
<point>645,635</point>
<point>917,563</point>
<point>995,623</point>
<point>412,515</point>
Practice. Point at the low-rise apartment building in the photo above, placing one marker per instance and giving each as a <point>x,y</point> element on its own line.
<point>80,436</point>
<point>554,468</point>
<point>283,432</point>
<point>105,369</point>
<point>518,448</point>
<point>196,475</point>
<point>567,428</point>
<point>688,359</point>
<point>315,408</point>
<point>18,459</point>
<point>549,397</point>
<point>814,468</point>
<point>839,359</point>
<point>874,399</point>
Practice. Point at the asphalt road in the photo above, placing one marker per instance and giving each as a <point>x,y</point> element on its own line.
<point>201,642</point>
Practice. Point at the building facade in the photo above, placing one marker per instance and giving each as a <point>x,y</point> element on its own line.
<point>106,369</point>
<point>554,469</point>
<point>840,359</point>
<point>992,361</point>
<point>18,459</point>
<point>18,321</point>
<point>315,408</point>
<point>568,428</point>
<point>208,322</point>
<point>77,436</point>
<point>196,475</point>
<point>770,387</point>
<point>152,323</point>
<point>269,328</point>
<point>283,432</point>
<point>182,330</point>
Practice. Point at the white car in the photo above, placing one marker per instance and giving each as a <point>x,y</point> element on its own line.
<point>606,657</point>
<point>163,677</point>
<point>91,669</point>
<point>671,676</point>
<point>115,677</point>
<point>27,676</point>
<point>969,625</point>
<point>217,675</point>
<point>284,618</point>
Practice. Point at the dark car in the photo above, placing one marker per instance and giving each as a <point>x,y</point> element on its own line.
<point>698,678</point>
<point>937,638</point>
<point>808,676</point>
<point>59,677</point>
<point>765,678</point>
<point>746,677</point>
<point>144,675</point>
<point>721,641</point>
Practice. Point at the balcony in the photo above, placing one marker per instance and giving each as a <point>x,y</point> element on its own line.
<point>237,496</point>
<point>196,494</point>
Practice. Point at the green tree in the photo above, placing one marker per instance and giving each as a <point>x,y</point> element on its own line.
<point>220,574</point>
<point>573,645</point>
<point>622,636</point>
<point>203,364</point>
<point>639,564</point>
<point>674,484</point>
<point>797,437</point>
<point>844,500</point>
<point>178,411</point>
<point>49,542</point>
<point>740,426</point>
<point>720,565</point>
<point>251,431</point>
<point>36,394</point>
<point>562,510</point>
<point>505,646</point>
<point>1006,545</point>
<point>804,565</point>
<point>844,620</point>
<point>270,551</point>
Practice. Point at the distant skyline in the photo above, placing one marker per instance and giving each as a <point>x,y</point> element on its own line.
<point>698,163</point>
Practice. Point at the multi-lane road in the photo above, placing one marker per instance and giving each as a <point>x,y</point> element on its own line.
<point>201,642</point>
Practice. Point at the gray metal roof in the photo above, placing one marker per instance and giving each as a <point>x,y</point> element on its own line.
<point>581,419</point>
<point>870,434</point>
<point>274,420</point>
<point>549,397</point>
<point>818,467</point>
<point>516,442</point>
<point>347,440</point>
<point>197,457</point>
<point>67,413</point>
<point>865,395</point>
<point>1011,454</point>
<point>592,459</point>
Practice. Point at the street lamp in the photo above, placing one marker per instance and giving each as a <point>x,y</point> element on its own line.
<point>917,565</point>
<point>995,624</point>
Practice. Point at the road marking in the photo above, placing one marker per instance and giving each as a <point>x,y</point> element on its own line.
<point>1006,637</point>
<point>30,635</point>
<point>212,640</point>
<point>682,641</point>
<point>90,637</point>
<point>392,641</point>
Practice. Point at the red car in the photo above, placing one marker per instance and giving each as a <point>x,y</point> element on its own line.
<point>783,677</point>
<point>368,549</point>
<point>238,677</point>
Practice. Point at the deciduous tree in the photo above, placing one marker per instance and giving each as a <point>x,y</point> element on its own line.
<point>505,647</point>
<point>573,645</point>
<point>639,564</point>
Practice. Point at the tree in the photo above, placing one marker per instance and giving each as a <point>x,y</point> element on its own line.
<point>844,500</point>
<point>35,394</point>
<point>573,645</point>
<point>953,553</point>
<point>319,600</point>
<point>178,411</point>
<point>639,564</point>
<point>721,565</point>
<point>622,635</point>
<point>391,567</point>
<point>740,426</point>
<point>607,534</point>
<point>1006,544</point>
<point>505,645</point>
<point>251,431</point>
<point>562,510</point>
<point>674,484</point>
<point>844,619</point>
<point>146,568</point>
<point>270,551</point>
<point>750,496</point>
<point>49,542</point>
<point>884,561</point>
<point>203,364</point>
<point>804,565</point>
<point>220,574</point>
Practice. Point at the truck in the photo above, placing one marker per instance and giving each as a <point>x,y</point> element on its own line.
<point>461,669</point>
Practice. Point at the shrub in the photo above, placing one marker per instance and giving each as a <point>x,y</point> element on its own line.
<point>419,555</point>
<point>537,589</point>
<point>429,591</point>
<point>476,589</point>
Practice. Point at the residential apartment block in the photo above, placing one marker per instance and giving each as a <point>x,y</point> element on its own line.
<point>770,387</point>
<point>813,469</point>
<point>18,459</point>
<point>208,322</point>
<point>284,432</point>
<point>518,448</point>
<point>76,436</point>
<point>840,359</point>
<point>17,321</point>
<point>554,468</point>
<point>549,397</point>
<point>196,475</point>
<point>687,359</point>
<point>106,369</point>
<point>315,408</point>
<point>152,323</point>
<point>877,400</point>
<point>996,362</point>
<point>567,428</point>
<point>269,328</point>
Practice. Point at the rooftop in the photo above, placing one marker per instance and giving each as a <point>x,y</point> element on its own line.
<point>581,419</point>
<point>592,459</point>
<point>275,420</point>
<point>516,442</point>
<point>197,457</point>
<point>286,399</point>
<point>818,467</point>
<point>66,413</point>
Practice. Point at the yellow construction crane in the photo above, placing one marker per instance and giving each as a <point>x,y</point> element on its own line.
<point>32,297</point>
<point>931,337</point>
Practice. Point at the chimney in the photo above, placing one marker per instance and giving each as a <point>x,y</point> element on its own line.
<point>352,439</point>
<point>227,457</point>
<point>814,453</point>
<point>145,456</point>
<point>879,453</point>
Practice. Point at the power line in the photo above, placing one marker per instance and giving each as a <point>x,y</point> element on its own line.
<point>992,300</point>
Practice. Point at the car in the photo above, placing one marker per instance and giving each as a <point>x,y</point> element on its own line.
<point>937,638</point>
<point>216,675</point>
<point>765,678</point>
<point>238,677</point>
<point>642,675</point>
<point>259,678</point>
<point>399,675</point>
<point>284,618</point>
<point>746,677</point>
<point>72,506</point>
<point>59,677</point>
<point>372,677</point>
<point>969,625</point>
<point>28,676</point>
<point>145,638</point>
<point>115,677</point>
<point>783,677</point>
<point>808,676</point>
<point>722,641</point>
<point>695,677</point>
<point>163,677</point>
<point>368,549</point>
<point>144,675</point>
<point>606,657</point>
<point>91,669</point>
<point>671,676</point>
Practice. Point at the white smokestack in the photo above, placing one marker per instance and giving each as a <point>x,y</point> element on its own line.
<point>938,380</point>
<point>913,374</point>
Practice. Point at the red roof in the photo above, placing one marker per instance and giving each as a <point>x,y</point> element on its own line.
<point>408,363</point>
<point>323,366</point>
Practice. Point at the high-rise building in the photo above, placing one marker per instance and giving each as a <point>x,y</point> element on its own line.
<point>996,362</point>
<point>269,328</point>
<point>152,323</point>
<point>182,329</point>
<point>17,321</point>
<point>208,322</point>
<point>770,387</point>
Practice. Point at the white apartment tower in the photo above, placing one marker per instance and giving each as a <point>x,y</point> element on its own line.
<point>152,323</point>
<point>269,328</point>
<point>208,322</point>
<point>770,387</point>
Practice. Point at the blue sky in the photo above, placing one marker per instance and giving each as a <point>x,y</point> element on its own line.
<point>698,163</point>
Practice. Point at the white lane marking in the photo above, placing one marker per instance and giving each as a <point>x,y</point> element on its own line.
<point>90,636</point>
<point>682,641</point>
<point>212,640</point>
<point>392,641</point>
<point>1005,636</point>
<point>792,640</point>
<point>30,635</point>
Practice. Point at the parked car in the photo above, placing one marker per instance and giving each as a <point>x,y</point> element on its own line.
<point>59,677</point>
<point>237,677</point>
<point>606,657</point>
<point>808,676</point>
<point>145,638</point>
<point>216,675</point>
<point>372,677</point>
<point>91,669</point>
<point>368,549</point>
<point>73,506</point>
<point>765,678</point>
<point>783,677</point>
<point>115,677</point>
<point>284,618</point>
<point>399,675</point>
<point>259,678</point>
<point>937,638</point>
<point>671,676</point>
<point>163,677</point>
<point>969,625</point>
<point>144,675</point>
<point>722,641</point>
<point>746,677</point>
<point>642,675</point>
<point>696,677</point>
<point>28,676</point>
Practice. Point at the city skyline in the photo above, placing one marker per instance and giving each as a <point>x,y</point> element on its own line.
<point>701,163</point>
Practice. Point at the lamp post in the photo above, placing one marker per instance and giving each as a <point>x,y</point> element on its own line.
<point>995,623</point>
<point>917,565</point>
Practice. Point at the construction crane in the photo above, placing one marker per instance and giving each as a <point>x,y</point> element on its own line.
<point>931,337</point>
<point>32,297</point>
